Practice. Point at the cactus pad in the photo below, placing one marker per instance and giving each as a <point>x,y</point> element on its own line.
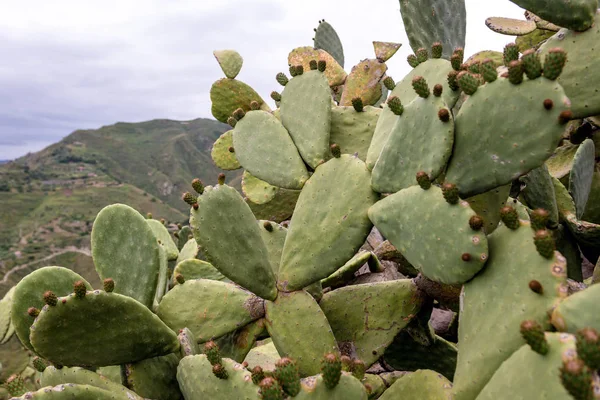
<point>421,384</point>
<point>165,238</point>
<point>154,378</point>
<point>577,15</point>
<point>188,251</point>
<point>198,269</point>
<point>279,209</point>
<point>221,152</point>
<point>273,236</point>
<point>385,50</point>
<point>227,95</point>
<point>348,388</point>
<point>364,82</point>
<point>327,39</point>
<point>575,312</point>
<point>257,190</point>
<point>580,179</point>
<point>487,205</point>
<point>334,72</point>
<point>69,391</point>
<point>352,130</point>
<point>230,62</point>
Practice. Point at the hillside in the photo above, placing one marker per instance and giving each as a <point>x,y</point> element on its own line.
<point>48,200</point>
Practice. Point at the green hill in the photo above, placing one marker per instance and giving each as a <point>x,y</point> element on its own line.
<point>48,200</point>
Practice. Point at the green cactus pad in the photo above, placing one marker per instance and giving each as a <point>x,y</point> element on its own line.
<point>5,313</point>
<point>78,331</point>
<point>385,50</point>
<point>70,391</point>
<point>165,238</point>
<point>561,162</point>
<point>154,378</point>
<point>279,209</point>
<point>349,388</point>
<point>264,355</point>
<point>430,21</point>
<point>389,305</point>
<point>264,147</point>
<point>330,219</point>
<point>334,72</point>
<point>419,141</point>
<point>209,308</point>
<point>510,26</point>
<point>488,204</point>
<point>184,235</point>
<point>488,152</point>
<point>539,192</point>
<point>221,152</point>
<point>346,272</point>
<point>225,228</point>
<point>257,190</point>
<point>30,291</point>
<point>421,384</point>
<point>237,344</point>
<point>227,95</point>
<point>197,269</point>
<point>274,240</point>
<point>578,79</point>
<point>291,319</point>
<point>577,311</point>
<point>188,251</point>
<point>364,82</point>
<point>386,122</point>
<point>490,334</point>
<point>198,382</point>
<point>592,209</point>
<point>230,62</point>
<point>125,249</point>
<point>188,346</point>
<point>446,244</point>
<point>306,114</point>
<point>327,39</point>
<point>13,358</point>
<point>580,178</point>
<point>533,40</point>
<point>352,130</point>
<point>81,376</point>
<point>510,382</point>
<point>577,15</point>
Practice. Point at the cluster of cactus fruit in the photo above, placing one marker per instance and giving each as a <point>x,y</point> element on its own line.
<point>452,208</point>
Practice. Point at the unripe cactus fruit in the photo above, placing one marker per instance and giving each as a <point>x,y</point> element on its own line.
<point>275,96</point>
<point>347,363</point>
<point>254,105</point>
<point>588,347</point>
<point>536,287</point>
<point>444,115</point>
<point>270,389</point>
<point>299,70</point>
<point>457,58</point>
<point>331,369</point>
<point>221,179</point>
<point>510,217</point>
<point>474,67</point>
<point>268,227</point>
<point>180,279</point>
<point>39,364</point>
<point>412,60</point>
<point>335,150</point>
<point>437,90</point>
<point>211,349</point>
<point>450,192</point>
<point>286,372</point>
<point>313,65</point>
<point>293,70</point>
<point>423,180</point>
<point>395,105</point>
<point>239,113</point>
<point>436,50</point>
<point>419,84</point>
<point>476,222</point>
<point>539,218</point>
<point>33,312</point>
<point>532,64</point>
<point>358,367</point>
<point>219,371</point>
<point>281,79</point>
<point>198,186</point>
<point>468,83</point>
<point>533,333</point>
<point>515,72</point>
<point>422,55</point>
<point>488,70</point>
<point>511,53</point>
<point>79,289</point>
<point>554,63</point>
<point>149,216</point>
<point>357,103</point>
<point>257,374</point>
<point>322,65</point>
<point>109,285</point>
<point>389,83</point>
<point>189,198</point>
<point>565,117</point>
<point>576,378</point>
<point>453,80</point>
<point>232,121</point>
<point>15,385</point>
<point>50,298</point>
<point>544,243</point>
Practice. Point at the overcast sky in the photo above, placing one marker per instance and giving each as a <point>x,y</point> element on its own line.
<point>73,64</point>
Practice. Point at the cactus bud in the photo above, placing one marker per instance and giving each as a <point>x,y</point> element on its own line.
<point>257,375</point>
<point>322,65</point>
<point>198,186</point>
<point>232,121</point>
<point>453,81</point>
<point>79,289</point>
<point>465,257</point>
<point>293,70</point>
<point>488,70</point>
<point>548,104</point>
<point>39,364</point>
<point>180,279</point>
<point>476,222</point>
<point>510,217</point>
<point>221,179</point>
<point>389,83</point>
<point>211,349</point>
<point>33,312</point>
<point>444,115</point>
<point>544,243</point>
<point>149,216</point>
<point>195,206</point>
<point>50,298</point>
<point>511,53</point>
<point>163,221</point>
<point>450,192</point>
<point>419,84</point>
<point>109,285</point>
<point>281,79</point>
<point>299,70</point>
<point>335,150</point>
<point>313,65</point>
<point>515,72</point>
<point>532,64</point>
<point>331,369</point>
<point>219,371</point>
<point>436,50</point>
<point>358,369</point>
<point>239,113</point>
<point>554,63</point>
<point>268,227</point>
<point>347,364</point>
<point>15,385</point>
<point>576,378</point>
<point>565,117</point>
<point>422,55</point>
<point>395,105</point>
<point>468,83</point>
<point>231,149</point>
<point>286,372</point>
<point>457,58</point>
<point>539,219</point>
<point>536,287</point>
<point>437,90</point>
<point>189,198</point>
<point>412,60</point>
<point>533,333</point>
<point>270,389</point>
<point>254,105</point>
<point>275,96</point>
<point>423,180</point>
<point>588,347</point>
<point>357,103</point>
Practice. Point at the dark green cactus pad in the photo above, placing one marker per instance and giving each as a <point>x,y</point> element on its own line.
<point>510,26</point>
<point>221,153</point>
<point>227,95</point>
<point>586,233</point>
<point>448,245</point>
<point>279,209</point>
<point>306,114</point>
<point>197,380</point>
<point>389,305</point>
<point>78,331</point>
<point>188,251</point>
<point>70,391</point>
<point>265,148</point>
<point>237,344</point>
<point>330,219</point>
<point>385,50</point>
<point>154,378</point>
<point>487,205</point>
<point>5,313</point>
<point>592,209</point>
<point>510,382</point>
<point>364,82</point>
<point>430,21</point>
<point>13,357</point>
<point>226,229</point>
<point>184,235</point>
<point>489,328</point>
<point>346,272</point>
<point>125,249</point>
<point>198,269</point>
<point>386,122</point>
<point>53,376</point>
<point>208,308</point>
<point>334,72</point>
<point>580,178</point>
<point>30,291</point>
<point>274,239</point>
<point>419,141</point>
<point>349,388</point>
<point>327,39</point>
<point>352,130</point>
<point>577,311</point>
<point>533,40</point>
<point>257,190</point>
<point>421,384</point>
<point>165,238</point>
<point>539,192</point>
<point>577,15</point>
<point>578,79</point>
<point>230,62</point>
<point>291,319</point>
<point>488,152</point>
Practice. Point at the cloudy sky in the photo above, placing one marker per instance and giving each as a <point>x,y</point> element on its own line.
<point>71,64</point>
